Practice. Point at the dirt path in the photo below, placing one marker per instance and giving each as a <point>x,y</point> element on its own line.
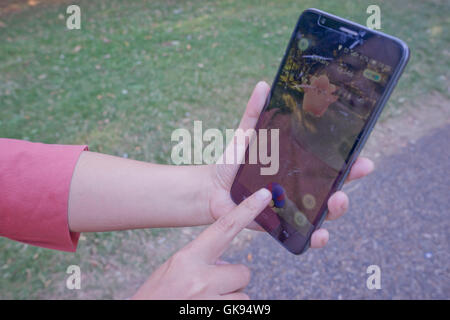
<point>406,127</point>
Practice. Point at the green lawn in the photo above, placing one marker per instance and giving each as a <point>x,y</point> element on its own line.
<point>139,69</point>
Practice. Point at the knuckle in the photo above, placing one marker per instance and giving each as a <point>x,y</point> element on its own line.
<point>245,273</point>
<point>251,205</point>
<point>180,256</point>
<point>201,283</point>
<point>171,265</point>
<point>252,112</point>
<point>198,286</point>
<point>178,261</point>
<point>225,223</point>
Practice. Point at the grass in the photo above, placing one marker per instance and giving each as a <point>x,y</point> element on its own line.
<point>139,69</point>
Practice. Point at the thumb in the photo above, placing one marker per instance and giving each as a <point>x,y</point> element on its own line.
<point>212,242</point>
<point>228,163</point>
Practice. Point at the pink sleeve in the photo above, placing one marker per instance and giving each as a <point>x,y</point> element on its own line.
<point>34,192</point>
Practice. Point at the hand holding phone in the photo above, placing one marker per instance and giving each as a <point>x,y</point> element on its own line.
<point>202,256</point>
<point>330,89</point>
<point>223,173</point>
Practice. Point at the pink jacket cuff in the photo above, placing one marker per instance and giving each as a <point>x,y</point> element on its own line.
<point>34,193</point>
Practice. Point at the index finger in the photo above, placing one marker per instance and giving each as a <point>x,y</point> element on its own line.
<point>213,241</point>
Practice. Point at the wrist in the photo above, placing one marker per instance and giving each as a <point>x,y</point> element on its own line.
<point>204,178</point>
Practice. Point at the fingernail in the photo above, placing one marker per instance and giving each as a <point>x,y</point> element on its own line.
<point>344,206</point>
<point>261,84</point>
<point>263,194</point>
<point>372,167</point>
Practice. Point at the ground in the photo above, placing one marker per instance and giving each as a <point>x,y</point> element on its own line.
<point>138,69</point>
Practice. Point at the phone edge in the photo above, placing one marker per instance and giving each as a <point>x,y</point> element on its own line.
<point>374,118</point>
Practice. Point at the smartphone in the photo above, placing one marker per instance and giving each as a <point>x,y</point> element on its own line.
<point>330,89</point>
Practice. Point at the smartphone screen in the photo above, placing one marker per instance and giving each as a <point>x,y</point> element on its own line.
<point>329,87</point>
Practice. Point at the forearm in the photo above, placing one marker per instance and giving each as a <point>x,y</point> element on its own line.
<point>111,193</point>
